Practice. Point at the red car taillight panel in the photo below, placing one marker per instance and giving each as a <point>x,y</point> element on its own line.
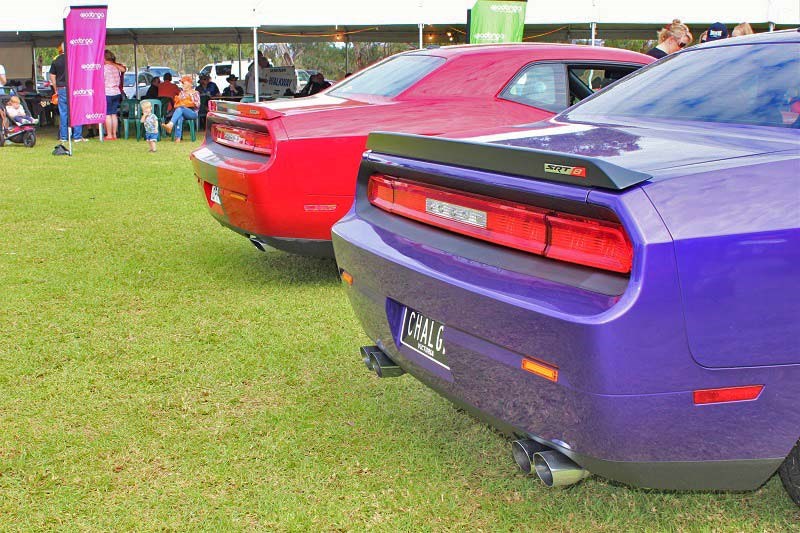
<point>243,139</point>
<point>563,236</point>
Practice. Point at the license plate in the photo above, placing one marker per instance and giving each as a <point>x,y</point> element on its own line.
<point>424,335</point>
<point>215,195</point>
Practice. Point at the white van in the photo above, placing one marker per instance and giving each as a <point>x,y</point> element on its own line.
<point>220,71</point>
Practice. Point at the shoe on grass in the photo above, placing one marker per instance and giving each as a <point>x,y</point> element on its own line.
<point>168,126</point>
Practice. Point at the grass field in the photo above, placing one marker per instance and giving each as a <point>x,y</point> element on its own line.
<point>159,373</point>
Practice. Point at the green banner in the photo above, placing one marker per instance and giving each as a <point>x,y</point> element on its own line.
<point>497,22</point>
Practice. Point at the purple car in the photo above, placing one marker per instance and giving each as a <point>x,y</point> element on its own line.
<point>618,287</point>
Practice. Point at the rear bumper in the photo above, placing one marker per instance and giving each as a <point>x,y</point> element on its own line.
<point>263,198</point>
<point>305,247</point>
<point>743,474</point>
<point>623,405</point>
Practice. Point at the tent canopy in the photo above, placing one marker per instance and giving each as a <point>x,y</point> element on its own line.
<point>158,22</point>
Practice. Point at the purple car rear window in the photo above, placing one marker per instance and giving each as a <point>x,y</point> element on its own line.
<point>391,77</point>
<point>745,84</point>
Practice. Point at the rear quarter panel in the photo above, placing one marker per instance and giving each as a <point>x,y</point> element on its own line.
<point>325,147</point>
<point>737,247</point>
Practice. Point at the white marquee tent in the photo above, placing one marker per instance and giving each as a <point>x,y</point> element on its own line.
<point>151,21</point>
<point>203,21</point>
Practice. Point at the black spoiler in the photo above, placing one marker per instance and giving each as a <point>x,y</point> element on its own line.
<point>514,160</point>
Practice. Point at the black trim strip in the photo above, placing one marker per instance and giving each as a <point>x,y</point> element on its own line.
<point>513,160</point>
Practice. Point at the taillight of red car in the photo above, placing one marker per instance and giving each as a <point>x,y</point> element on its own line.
<point>243,139</point>
<point>563,236</point>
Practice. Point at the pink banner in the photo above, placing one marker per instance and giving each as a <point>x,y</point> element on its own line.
<point>85,44</point>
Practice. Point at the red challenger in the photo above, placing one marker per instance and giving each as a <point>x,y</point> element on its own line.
<point>282,172</point>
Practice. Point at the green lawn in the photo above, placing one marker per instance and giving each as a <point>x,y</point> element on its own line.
<point>158,372</point>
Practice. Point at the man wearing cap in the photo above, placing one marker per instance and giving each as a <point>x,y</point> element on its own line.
<point>232,90</point>
<point>716,32</point>
<point>58,81</point>
<point>207,87</point>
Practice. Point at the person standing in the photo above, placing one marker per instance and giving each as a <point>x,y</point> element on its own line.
<point>263,74</point>
<point>150,122</point>
<point>742,29</point>
<point>112,73</point>
<point>58,81</point>
<point>3,79</point>
<point>671,38</point>
<point>716,31</point>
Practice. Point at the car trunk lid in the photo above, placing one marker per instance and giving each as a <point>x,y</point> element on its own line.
<point>654,147</point>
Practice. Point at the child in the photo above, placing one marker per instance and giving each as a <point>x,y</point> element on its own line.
<point>16,113</point>
<point>150,122</point>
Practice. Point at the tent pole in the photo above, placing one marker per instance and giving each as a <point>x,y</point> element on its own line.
<point>420,36</point>
<point>135,72</point>
<point>240,54</point>
<point>347,56</point>
<point>256,66</point>
<point>35,68</point>
<point>594,32</point>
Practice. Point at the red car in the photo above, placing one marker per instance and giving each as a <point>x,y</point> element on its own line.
<point>282,172</point>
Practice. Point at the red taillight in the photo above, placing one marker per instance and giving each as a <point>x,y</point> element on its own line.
<point>566,237</point>
<point>590,242</point>
<point>252,141</point>
<point>728,394</point>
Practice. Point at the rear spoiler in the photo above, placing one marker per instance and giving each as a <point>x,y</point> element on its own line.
<point>251,110</point>
<point>514,160</point>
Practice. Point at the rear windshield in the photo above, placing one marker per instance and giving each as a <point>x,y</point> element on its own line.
<point>389,78</point>
<point>745,84</point>
<point>223,70</point>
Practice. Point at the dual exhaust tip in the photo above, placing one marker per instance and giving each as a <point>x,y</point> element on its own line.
<point>380,363</point>
<point>554,468</point>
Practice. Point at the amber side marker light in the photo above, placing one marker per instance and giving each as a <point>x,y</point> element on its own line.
<point>540,369</point>
<point>727,394</point>
<point>347,277</point>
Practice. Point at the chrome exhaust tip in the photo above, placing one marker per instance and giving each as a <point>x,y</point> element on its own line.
<point>556,469</point>
<point>523,451</point>
<point>380,363</point>
<point>257,243</point>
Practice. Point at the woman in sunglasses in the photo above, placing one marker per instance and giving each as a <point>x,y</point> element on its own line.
<point>671,38</point>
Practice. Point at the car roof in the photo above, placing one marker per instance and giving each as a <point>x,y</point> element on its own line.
<point>519,48</point>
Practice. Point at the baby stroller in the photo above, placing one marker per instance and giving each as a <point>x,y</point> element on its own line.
<point>10,131</point>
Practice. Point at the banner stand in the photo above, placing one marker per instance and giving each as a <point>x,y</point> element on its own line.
<point>497,21</point>
<point>84,46</point>
<point>66,62</point>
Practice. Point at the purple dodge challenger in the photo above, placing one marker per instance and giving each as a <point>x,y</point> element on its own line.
<point>618,287</point>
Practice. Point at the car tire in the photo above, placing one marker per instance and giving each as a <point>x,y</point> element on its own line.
<point>790,473</point>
